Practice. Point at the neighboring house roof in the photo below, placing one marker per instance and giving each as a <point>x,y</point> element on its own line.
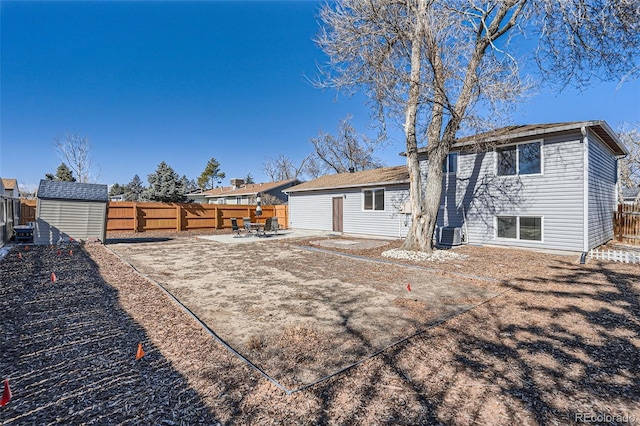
<point>10,184</point>
<point>510,133</point>
<point>630,193</point>
<point>61,190</point>
<point>381,176</point>
<point>254,188</point>
<point>215,191</point>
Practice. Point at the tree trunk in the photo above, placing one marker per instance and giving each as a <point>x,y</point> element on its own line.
<point>416,237</point>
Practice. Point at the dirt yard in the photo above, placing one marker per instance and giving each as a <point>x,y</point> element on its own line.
<point>558,345</point>
<point>301,315</point>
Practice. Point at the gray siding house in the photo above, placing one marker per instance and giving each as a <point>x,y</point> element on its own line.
<point>550,186</point>
<point>70,209</point>
<point>9,208</point>
<point>366,202</point>
<point>241,193</point>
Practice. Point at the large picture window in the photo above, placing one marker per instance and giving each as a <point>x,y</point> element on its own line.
<point>373,199</point>
<point>521,159</point>
<point>519,228</point>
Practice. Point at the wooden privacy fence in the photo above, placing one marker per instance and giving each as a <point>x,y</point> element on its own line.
<point>141,217</point>
<point>27,211</point>
<point>627,224</point>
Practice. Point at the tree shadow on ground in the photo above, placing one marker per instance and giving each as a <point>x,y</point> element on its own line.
<point>68,349</point>
<point>551,351</point>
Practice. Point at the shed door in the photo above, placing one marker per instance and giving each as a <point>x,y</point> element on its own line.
<point>337,214</point>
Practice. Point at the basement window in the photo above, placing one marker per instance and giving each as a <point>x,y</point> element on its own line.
<point>519,228</point>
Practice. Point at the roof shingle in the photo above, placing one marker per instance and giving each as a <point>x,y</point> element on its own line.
<point>381,176</point>
<point>61,190</point>
<point>510,133</point>
<point>9,184</point>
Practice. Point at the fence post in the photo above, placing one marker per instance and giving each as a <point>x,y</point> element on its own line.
<point>135,217</point>
<point>178,218</point>
<point>218,216</point>
<point>619,224</point>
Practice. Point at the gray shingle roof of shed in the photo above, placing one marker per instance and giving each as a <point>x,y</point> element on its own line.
<point>60,190</point>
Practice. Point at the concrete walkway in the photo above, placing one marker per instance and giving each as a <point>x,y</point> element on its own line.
<point>252,238</point>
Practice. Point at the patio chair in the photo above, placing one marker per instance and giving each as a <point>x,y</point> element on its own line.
<point>235,228</point>
<point>274,225</point>
<point>246,223</point>
<point>267,226</point>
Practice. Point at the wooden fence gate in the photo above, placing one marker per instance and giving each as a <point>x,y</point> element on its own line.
<point>626,224</point>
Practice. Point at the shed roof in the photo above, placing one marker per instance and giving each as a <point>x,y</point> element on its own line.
<point>381,176</point>
<point>61,190</point>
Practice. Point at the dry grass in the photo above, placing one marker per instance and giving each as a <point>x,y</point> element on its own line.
<point>563,340</point>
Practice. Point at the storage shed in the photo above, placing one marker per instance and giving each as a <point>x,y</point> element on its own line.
<point>70,209</point>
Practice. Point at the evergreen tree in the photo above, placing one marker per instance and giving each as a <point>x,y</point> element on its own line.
<point>63,173</point>
<point>211,175</point>
<point>134,189</point>
<point>117,189</point>
<point>189,185</point>
<point>165,186</point>
<point>249,179</point>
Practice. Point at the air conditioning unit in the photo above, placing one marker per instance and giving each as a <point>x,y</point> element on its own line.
<point>450,236</point>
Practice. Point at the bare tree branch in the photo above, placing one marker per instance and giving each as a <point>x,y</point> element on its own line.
<point>446,66</point>
<point>74,150</point>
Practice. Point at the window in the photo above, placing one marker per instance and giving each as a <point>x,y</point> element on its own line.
<point>531,228</point>
<point>519,228</point>
<point>507,161</point>
<point>508,227</point>
<point>450,164</point>
<point>373,199</point>
<point>521,159</point>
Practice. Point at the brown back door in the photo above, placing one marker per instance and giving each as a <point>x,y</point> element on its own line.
<point>337,214</point>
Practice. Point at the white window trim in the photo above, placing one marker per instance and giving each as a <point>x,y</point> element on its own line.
<point>495,228</point>
<point>374,199</point>
<point>495,158</point>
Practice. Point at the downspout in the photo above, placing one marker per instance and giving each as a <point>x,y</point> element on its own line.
<point>585,194</point>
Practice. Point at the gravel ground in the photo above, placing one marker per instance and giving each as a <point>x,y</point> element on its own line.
<point>562,344</point>
<point>68,349</point>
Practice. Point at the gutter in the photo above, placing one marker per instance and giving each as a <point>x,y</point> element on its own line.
<point>585,194</point>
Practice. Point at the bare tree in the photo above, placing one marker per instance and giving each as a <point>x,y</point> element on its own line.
<point>442,66</point>
<point>345,151</point>
<point>630,165</point>
<point>282,168</point>
<point>74,150</point>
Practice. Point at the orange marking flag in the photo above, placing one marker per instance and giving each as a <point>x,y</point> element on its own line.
<point>6,394</point>
<point>140,352</point>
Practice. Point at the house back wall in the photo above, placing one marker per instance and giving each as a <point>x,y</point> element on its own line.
<point>555,195</point>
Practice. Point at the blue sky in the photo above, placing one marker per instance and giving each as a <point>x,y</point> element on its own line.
<point>182,82</point>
